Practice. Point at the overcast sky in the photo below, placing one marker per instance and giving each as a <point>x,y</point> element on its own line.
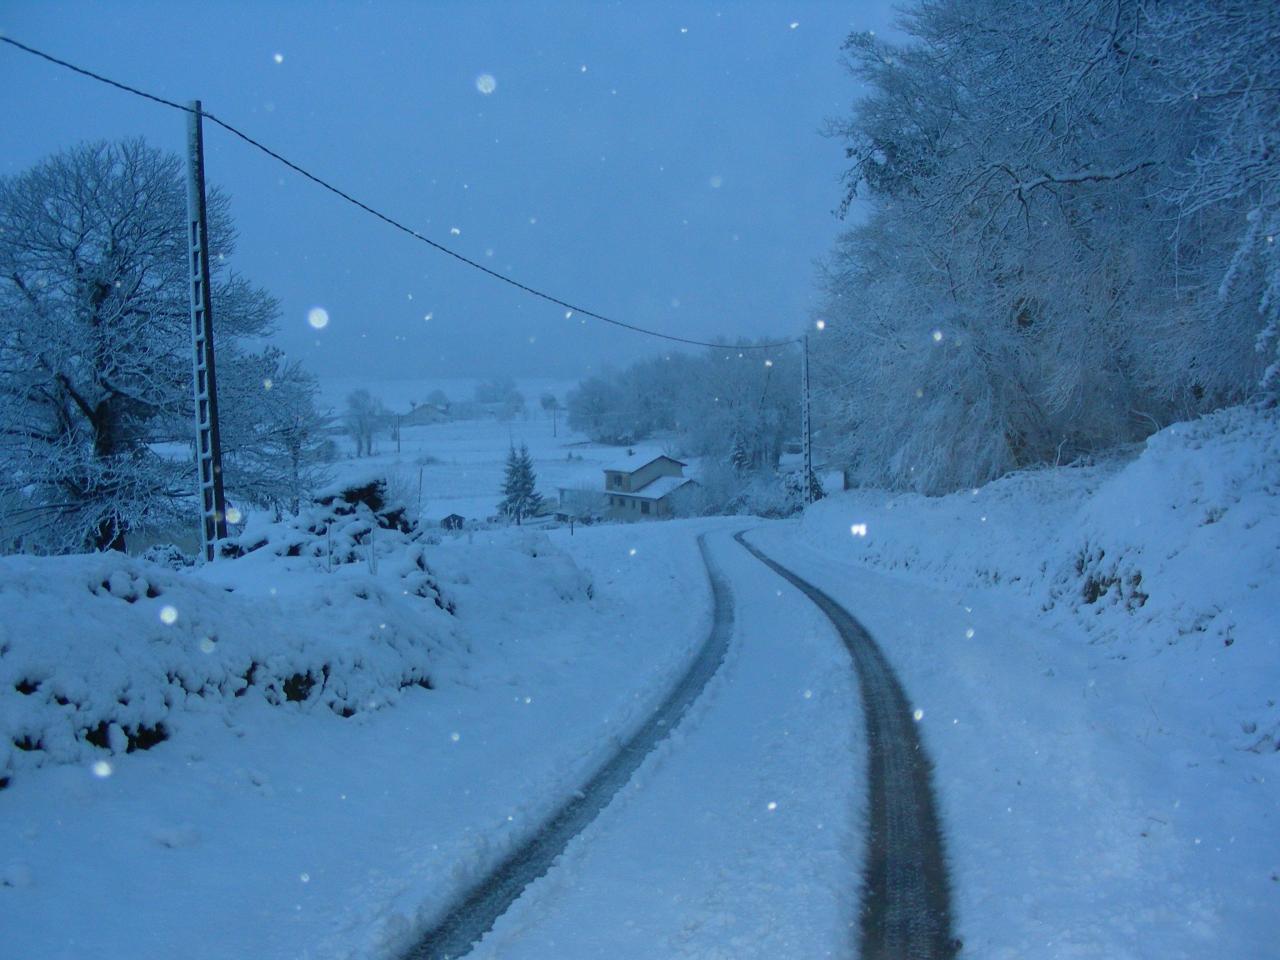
<point>661,163</point>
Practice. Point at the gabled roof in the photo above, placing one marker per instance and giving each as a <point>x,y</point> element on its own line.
<point>637,460</point>
<point>655,489</point>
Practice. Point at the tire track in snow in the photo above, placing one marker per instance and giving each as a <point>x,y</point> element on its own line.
<point>906,911</point>
<point>473,914</point>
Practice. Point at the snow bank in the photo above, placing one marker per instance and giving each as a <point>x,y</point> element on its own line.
<point>321,835</point>
<point>1181,543</point>
<point>104,654</point>
<point>1178,547</point>
<point>1093,652</point>
<point>338,610</point>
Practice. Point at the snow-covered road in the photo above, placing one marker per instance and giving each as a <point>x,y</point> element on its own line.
<point>474,912</point>
<point>739,836</point>
<point>906,909</point>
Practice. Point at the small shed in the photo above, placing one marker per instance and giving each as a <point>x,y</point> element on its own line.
<point>454,521</point>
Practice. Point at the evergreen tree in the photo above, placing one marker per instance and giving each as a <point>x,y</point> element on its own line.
<point>520,498</point>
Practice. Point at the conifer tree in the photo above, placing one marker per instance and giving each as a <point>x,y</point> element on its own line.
<point>520,496</point>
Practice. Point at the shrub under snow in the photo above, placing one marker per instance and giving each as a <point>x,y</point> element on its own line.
<point>104,654</point>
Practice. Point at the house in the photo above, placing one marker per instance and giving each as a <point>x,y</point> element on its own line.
<point>645,487</point>
<point>453,521</point>
<point>421,414</point>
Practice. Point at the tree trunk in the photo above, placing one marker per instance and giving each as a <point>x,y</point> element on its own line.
<point>109,534</point>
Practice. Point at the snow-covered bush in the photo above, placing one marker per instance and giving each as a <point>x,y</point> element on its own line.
<point>721,489</point>
<point>106,653</point>
<point>341,525</point>
<point>167,555</point>
<point>341,609</point>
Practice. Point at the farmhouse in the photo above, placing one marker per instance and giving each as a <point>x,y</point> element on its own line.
<point>644,487</point>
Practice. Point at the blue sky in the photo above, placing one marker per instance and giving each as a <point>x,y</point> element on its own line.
<point>660,163</point>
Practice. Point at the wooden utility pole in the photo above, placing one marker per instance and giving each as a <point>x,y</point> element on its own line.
<point>213,504</point>
<point>806,432</point>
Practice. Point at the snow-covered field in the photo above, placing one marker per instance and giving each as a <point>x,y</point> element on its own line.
<point>1093,653</point>
<point>458,466</point>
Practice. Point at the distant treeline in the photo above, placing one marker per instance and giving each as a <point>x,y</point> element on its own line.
<point>731,405</point>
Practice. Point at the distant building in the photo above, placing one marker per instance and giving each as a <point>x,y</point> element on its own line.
<point>454,521</point>
<point>421,414</point>
<point>645,487</point>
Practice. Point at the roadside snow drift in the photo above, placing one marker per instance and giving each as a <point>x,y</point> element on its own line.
<point>1094,655</point>
<point>310,749</point>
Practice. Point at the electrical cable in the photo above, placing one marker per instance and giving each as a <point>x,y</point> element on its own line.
<point>391,221</point>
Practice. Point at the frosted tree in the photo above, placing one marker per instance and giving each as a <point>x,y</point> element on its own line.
<point>501,394</point>
<point>95,362</point>
<point>363,416</point>
<point>1064,247</point>
<point>595,408</point>
<point>275,444</point>
<point>520,497</point>
<point>1221,65</point>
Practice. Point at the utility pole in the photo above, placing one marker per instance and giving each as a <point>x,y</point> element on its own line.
<point>806,432</point>
<point>213,504</point>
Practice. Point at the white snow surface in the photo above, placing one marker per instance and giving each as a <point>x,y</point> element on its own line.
<point>1107,770</point>
<point>282,829</point>
<point>1092,652</point>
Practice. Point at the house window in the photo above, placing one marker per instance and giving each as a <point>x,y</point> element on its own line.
<point>644,507</point>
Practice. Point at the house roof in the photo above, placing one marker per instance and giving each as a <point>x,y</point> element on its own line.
<point>655,489</point>
<point>637,460</point>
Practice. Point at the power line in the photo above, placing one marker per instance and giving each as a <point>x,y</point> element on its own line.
<point>391,221</point>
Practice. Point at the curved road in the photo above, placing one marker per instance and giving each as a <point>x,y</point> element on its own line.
<point>906,908</point>
<point>473,915</point>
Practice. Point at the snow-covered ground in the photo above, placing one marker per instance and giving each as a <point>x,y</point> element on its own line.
<point>458,466</point>
<point>269,828</point>
<point>1093,653</point>
<point>740,837</point>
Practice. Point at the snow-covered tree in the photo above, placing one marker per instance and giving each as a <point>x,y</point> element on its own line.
<point>595,408</point>
<point>275,447</point>
<point>520,497</point>
<point>1048,213</point>
<point>500,393</point>
<point>364,415</point>
<point>552,405</point>
<point>1221,62</point>
<point>710,401</point>
<point>95,350</point>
